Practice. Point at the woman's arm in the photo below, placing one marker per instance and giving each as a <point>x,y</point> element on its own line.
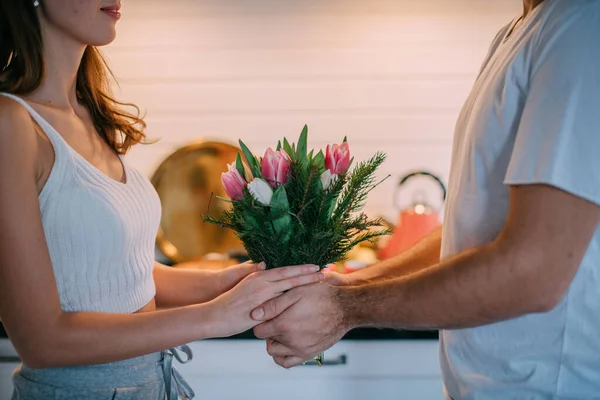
<point>60,338</point>
<point>186,286</point>
<point>45,336</point>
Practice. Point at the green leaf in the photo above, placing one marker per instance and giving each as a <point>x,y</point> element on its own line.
<point>239,165</point>
<point>288,148</point>
<point>282,227</point>
<point>252,161</point>
<point>280,208</point>
<point>302,143</point>
<point>329,207</point>
<point>278,145</point>
<point>319,161</point>
<point>310,156</point>
<point>286,233</point>
<point>279,201</point>
<point>345,139</point>
<point>251,219</point>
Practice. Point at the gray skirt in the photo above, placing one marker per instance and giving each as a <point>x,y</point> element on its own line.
<point>149,377</point>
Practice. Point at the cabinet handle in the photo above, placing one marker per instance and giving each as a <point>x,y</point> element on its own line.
<point>341,360</point>
<point>6,360</point>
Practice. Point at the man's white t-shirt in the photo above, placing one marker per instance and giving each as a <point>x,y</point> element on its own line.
<point>533,116</point>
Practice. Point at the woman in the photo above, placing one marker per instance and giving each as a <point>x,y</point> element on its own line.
<point>79,288</point>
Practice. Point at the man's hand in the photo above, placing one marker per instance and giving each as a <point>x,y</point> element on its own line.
<point>301,323</point>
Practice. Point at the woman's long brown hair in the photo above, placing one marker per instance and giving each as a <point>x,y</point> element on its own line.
<point>22,71</point>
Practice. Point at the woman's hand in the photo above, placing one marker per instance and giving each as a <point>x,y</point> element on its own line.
<point>188,283</point>
<point>228,277</point>
<point>337,279</point>
<point>232,309</point>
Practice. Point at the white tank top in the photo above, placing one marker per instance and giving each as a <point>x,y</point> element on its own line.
<point>100,232</point>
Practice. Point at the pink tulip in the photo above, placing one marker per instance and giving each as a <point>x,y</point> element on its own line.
<point>337,158</point>
<point>233,182</point>
<point>275,167</point>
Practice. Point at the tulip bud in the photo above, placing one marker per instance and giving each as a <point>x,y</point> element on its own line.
<point>275,167</point>
<point>328,179</point>
<point>337,158</point>
<point>233,182</point>
<point>261,191</point>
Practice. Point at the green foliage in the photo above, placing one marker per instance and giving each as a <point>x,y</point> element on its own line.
<point>240,166</point>
<point>305,224</point>
<point>251,160</point>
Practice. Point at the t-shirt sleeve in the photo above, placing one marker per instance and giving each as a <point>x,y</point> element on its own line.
<point>558,137</point>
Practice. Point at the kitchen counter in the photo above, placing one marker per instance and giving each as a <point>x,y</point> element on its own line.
<point>369,334</point>
<point>353,370</point>
<point>355,334</point>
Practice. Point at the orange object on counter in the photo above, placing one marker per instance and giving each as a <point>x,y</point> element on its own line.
<point>414,223</point>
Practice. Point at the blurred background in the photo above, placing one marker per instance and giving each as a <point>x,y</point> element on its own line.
<point>391,75</point>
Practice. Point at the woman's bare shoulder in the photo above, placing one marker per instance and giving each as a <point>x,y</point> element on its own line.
<point>16,126</point>
<point>19,145</point>
<point>12,111</point>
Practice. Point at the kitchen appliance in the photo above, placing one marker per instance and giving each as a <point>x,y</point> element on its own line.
<point>414,222</point>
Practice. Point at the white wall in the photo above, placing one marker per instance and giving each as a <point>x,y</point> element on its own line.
<point>389,74</point>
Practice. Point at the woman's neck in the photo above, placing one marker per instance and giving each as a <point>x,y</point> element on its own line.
<point>62,57</point>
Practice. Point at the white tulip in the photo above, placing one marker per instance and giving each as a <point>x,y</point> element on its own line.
<point>261,191</point>
<point>328,179</point>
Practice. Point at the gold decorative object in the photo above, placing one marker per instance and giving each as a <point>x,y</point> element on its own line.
<point>185,182</point>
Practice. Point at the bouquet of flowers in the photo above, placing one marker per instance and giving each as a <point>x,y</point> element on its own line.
<point>294,207</point>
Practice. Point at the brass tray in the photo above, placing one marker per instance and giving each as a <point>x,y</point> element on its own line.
<point>185,181</point>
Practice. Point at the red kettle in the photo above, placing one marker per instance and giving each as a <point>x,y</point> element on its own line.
<point>414,222</point>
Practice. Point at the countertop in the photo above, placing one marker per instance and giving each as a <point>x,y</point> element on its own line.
<point>355,334</point>
<point>369,334</point>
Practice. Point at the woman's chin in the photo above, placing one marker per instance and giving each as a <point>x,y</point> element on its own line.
<point>101,38</point>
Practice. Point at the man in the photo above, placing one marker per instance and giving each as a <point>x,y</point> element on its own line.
<point>516,291</point>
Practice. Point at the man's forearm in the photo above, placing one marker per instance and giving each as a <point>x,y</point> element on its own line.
<point>477,287</point>
<point>422,255</point>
